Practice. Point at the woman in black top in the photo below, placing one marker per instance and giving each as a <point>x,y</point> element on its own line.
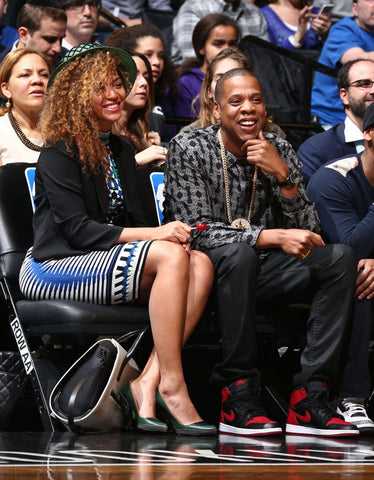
<point>90,239</point>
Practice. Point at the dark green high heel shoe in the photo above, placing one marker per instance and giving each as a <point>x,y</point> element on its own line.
<point>131,413</point>
<point>198,428</point>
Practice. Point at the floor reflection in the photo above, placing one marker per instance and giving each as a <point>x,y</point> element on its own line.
<point>124,448</point>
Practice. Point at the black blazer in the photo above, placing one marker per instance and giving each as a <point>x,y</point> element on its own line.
<point>71,206</point>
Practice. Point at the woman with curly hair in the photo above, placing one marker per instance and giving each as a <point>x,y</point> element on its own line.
<point>24,75</point>
<point>148,40</point>
<point>134,121</point>
<point>91,242</point>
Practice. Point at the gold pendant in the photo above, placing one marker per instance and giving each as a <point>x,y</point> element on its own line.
<point>240,223</point>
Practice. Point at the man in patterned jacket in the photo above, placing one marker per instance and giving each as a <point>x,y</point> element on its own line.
<point>262,237</point>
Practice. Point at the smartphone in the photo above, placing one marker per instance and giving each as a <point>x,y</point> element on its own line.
<point>326,9</point>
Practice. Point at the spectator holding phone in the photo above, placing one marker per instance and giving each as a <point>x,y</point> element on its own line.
<point>295,24</point>
<point>342,8</point>
<point>350,38</point>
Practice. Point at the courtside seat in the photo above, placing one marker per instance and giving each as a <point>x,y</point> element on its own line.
<point>16,211</point>
<point>49,321</point>
<point>80,319</point>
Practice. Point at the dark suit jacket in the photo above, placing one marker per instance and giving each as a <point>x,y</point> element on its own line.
<point>71,206</point>
<point>323,147</point>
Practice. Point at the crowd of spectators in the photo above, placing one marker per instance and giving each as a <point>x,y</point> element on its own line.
<point>206,79</point>
<point>350,38</point>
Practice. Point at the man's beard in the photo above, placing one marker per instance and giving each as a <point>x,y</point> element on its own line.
<point>358,108</point>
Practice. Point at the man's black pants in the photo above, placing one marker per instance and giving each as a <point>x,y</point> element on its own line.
<point>325,279</point>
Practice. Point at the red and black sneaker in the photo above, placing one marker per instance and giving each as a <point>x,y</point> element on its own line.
<point>311,414</point>
<point>242,413</point>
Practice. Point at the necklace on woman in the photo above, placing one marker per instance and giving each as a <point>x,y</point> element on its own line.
<point>238,222</point>
<point>21,135</point>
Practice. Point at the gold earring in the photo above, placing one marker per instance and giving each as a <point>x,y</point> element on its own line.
<point>8,104</point>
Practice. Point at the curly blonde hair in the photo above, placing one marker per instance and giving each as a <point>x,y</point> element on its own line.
<point>68,110</point>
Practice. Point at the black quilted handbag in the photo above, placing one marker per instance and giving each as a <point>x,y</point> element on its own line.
<point>13,379</point>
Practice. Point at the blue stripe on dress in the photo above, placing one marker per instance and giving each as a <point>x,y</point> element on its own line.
<point>101,277</point>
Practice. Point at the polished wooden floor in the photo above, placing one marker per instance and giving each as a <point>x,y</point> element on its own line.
<point>191,473</point>
<point>28,453</point>
<point>128,455</point>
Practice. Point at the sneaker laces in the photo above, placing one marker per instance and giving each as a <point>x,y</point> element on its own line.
<point>319,400</point>
<point>249,401</point>
<point>355,409</point>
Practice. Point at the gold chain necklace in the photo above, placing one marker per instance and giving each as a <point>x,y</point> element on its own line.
<point>238,222</point>
<point>21,135</point>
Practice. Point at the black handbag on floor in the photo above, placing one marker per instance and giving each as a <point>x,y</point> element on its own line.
<point>87,395</point>
<point>13,379</point>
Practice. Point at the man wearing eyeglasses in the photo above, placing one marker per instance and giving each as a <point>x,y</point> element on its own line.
<point>350,38</point>
<point>356,90</point>
<point>343,192</point>
<point>83,16</point>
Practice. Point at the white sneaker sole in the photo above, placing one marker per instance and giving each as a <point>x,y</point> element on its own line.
<point>249,431</point>
<point>300,430</point>
<point>365,425</point>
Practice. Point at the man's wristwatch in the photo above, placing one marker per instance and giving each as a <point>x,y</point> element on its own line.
<point>290,180</point>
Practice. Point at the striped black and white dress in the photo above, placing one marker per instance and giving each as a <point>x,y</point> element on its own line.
<point>102,277</point>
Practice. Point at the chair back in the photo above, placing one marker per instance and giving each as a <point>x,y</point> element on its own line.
<point>286,79</point>
<point>151,188</point>
<point>16,213</point>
